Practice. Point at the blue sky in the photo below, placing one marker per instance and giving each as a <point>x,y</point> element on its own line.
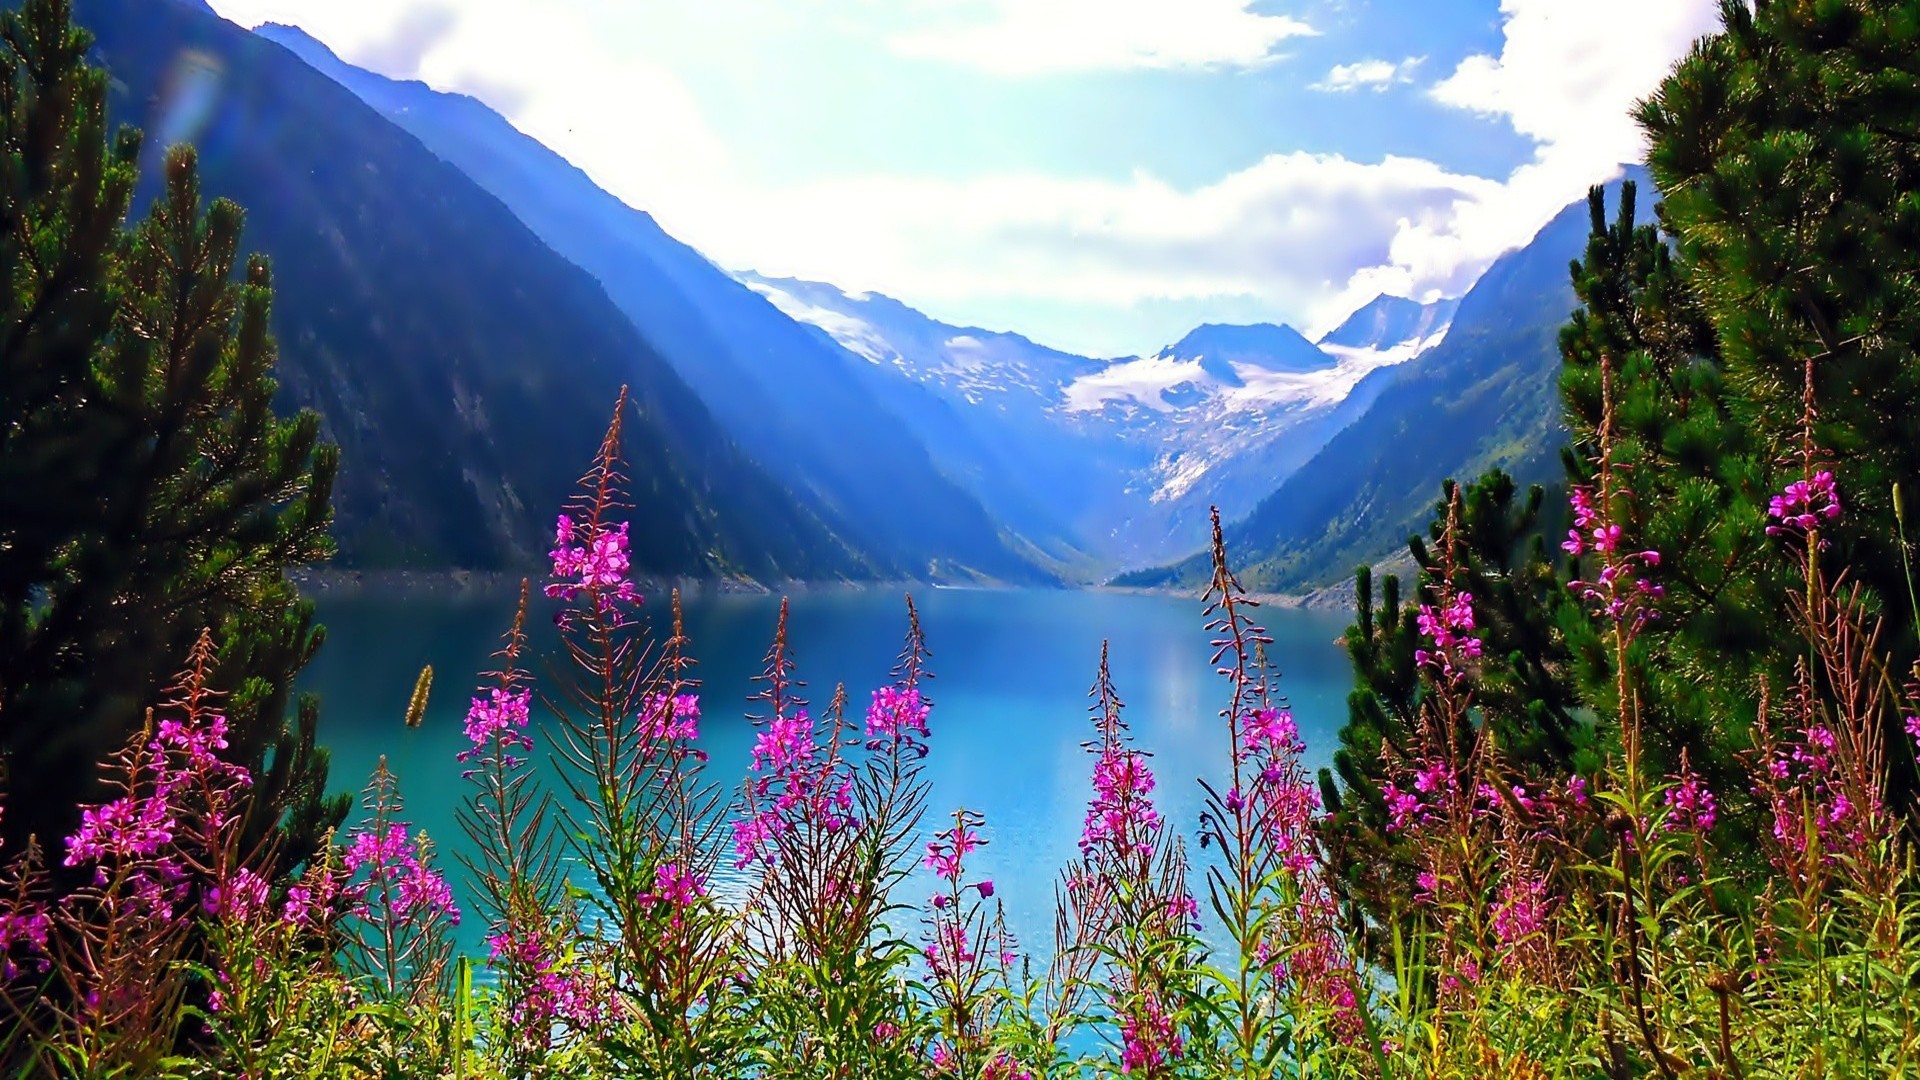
<point>1098,174</point>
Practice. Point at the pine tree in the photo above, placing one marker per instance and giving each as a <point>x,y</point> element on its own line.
<point>1488,542</point>
<point>146,488</point>
<point>1788,147</point>
<point>1698,482</point>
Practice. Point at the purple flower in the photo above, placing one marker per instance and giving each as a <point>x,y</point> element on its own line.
<point>1450,628</point>
<point>1804,503</point>
<point>500,716</point>
<point>897,714</point>
<point>1690,804</point>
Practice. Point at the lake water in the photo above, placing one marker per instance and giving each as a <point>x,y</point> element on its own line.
<point>1012,670</point>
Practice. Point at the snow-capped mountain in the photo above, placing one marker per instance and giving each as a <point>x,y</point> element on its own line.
<point>1121,457</point>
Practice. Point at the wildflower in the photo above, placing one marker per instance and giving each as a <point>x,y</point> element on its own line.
<point>242,895</point>
<point>548,988</point>
<point>1520,912</point>
<point>500,717</point>
<point>597,564</point>
<point>898,714</point>
<point>1148,1039</point>
<point>948,849</point>
<point>1804,504</point>
<point>1271,732</point>
<point>670,717</point>
<point>1120,812</point>
<point>1690,804</point>
<point>24,932</point>
<point>393,859</point>
<point>1450,628</point>
<point>677,889</point>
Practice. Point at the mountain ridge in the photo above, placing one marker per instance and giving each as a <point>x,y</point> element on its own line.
<point>1486,396</point>
<point>769,381</point>
<point>380,250</point>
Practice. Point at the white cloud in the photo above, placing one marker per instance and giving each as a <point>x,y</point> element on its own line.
<point>630,124</point>
<point>1031,37</point>
<point>1375,75</point>
<point>1566,79</point>
<point>1288,231</point>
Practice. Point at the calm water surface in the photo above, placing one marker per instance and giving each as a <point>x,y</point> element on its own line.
<point>1012,669</point>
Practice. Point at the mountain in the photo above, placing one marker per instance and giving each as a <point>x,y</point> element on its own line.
<point>793,398</point>
<point>1221,350</point>
<point>1385,321</point>
<point>1485,396</point>
<point>981,401</point>
<point>465,369</point>
<point>1116,459</point>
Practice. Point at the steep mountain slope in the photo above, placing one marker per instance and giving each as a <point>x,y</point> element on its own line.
<point>1127,454</point>
<point>1486,396</point>
<point>983,403</point>
<point>465,369</point>
<point>790,396</point>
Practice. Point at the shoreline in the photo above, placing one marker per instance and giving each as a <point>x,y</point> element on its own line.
<point>456,584</point>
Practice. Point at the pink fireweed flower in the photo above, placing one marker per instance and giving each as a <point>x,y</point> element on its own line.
<point>677,889</point>
<point>1520,913</point>
<point>951,949</point>
<point>24,930</point>
<point>1690,804</point>
<point>1003,1067</point>
<point>144,823</point>
<point>796,780</point>
<point>945,853</point>
<point>671,717</point>
<point>500,718</point>
<point>1584,515</point>
<point>391,856</point>
<point>1121,812</point>
<point>130,827</point>
<point>548,989</point>
<point>314,901</point>
<point>244,894</point>
<point>597,563</point>
<point>1148,1039</point>
<point>1450,629</point>
<point>786,742</point>
<point>1623,590</point>
<point>1403,807</point>
<point>1271,732</point>
<point>1804,504</point>
<point>898,715</point>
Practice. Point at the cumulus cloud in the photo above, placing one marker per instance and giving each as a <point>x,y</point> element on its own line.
<point>1375,75</point>
<point>630,124</point>
<point>1032,37</point>
<point>1288,230</point>
<point>1566,79</point>
<point>415,34</point>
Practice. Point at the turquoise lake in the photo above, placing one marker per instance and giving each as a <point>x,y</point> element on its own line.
<point>1010,694</point>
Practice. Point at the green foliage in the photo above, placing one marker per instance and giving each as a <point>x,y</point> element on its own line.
<point>146,489</point>
<point>1488,543</point>
<point>1791,162</point>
